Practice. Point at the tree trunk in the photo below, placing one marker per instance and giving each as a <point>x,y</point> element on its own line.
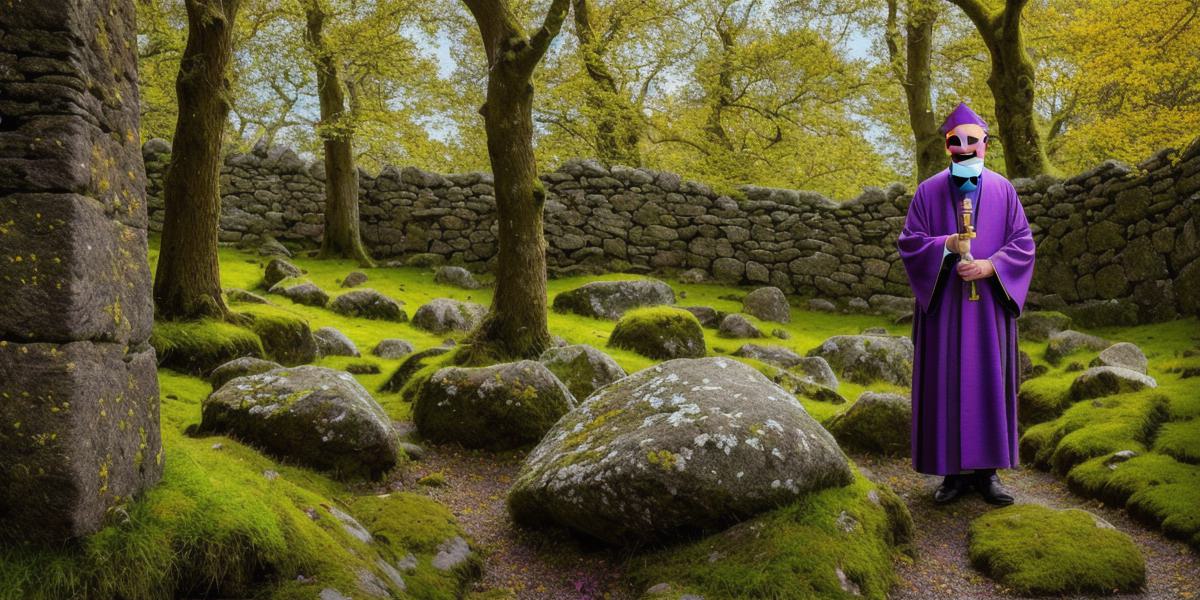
<point>187,283</point>
<point>341,238</point>
<point>1012,84</point>
<point>616,121</point>
<point>929,147</point>
<point>515,326</point>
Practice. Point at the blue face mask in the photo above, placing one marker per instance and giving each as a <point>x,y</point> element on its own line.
<point>966,173</point>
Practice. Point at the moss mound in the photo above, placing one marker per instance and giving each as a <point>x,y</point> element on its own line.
<point>198,347</point>
<point>660,332</point>
<point>1094,428</point>
<point>835,543</point>
<point>1035,550</point>
<point>228,522</point>
<point>1155,488</point>
<point>286,337</point>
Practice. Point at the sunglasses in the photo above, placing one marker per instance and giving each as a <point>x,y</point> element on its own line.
<point>964,141</point>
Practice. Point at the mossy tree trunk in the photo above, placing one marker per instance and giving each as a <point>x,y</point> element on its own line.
<point>616,120</point>
<point>341,238</point>
<point>515,326</point>
<point>187,283</point>
<point>914,74</point>
<point>1012,84</point>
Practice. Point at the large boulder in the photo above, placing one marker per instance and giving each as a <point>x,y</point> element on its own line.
<point>686,445</point>
<point>659,332</point>
<point>240,367</point>
<point>611,299</point>
<point>442,315</point>
<point>1039,325</point>
<point>768,304</point>
<point>1098,382</point>
<point>877,422</point>
<point>318,417</point>
<point>279,269</point>
<point>331,342</point>
<point>455,276</point>
<point>582,368</point>
<point>368,304</point>
<point>503,406</point>
<point>1122,354</point>
<point>868,358</point>
<point>1064,343</point>
<point>738,326</point>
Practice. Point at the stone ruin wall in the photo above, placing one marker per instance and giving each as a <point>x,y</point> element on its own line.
<point>79,426</point>
<point>1116,244</point>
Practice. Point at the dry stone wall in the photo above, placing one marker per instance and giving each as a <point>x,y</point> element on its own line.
<point>79,427</point>
<point>1116,244</point>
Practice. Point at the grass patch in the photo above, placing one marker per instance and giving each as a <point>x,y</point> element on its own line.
<point>794,552</point>
<point>218,525</point>
<point>1037,550</point>
<point>198,347</point>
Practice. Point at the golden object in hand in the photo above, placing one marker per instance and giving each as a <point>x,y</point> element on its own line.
<point>968,233</point>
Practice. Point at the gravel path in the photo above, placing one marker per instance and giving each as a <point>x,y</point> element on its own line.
<point>941,569</point>
<point>543,565</point>
<point>553,564</point>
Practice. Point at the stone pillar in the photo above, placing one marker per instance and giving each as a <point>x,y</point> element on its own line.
<point>79,429</point>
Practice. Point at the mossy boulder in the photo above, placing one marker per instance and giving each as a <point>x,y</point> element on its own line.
<point>410,366</point>
<point>331,342</point>
<point>279,269</point>
<point>659,332</point>
<point>1039,325</point>
<point>240,367</point>
<point>611,299</point>
<point>876,422</point>
<point>840,542</point>
<point>368,304</point>
<point>681,447</point>
<point>768,304</point>
<point>868,358</point>
<point>738,326</point>
<point>1037,550</point>
<point>1067,342</point>
<point>1098,382</point>
<point>198,347</point>
<point>314,416</point>
<point>582,368</point>
<point>503,406</point>
<point>392,348</point>
<point>286,338</point>
<point>1122,354</point>
<point>443,315</point>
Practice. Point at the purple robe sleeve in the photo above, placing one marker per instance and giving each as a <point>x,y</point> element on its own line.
<point>1014,260</point>
<point>923,252</point>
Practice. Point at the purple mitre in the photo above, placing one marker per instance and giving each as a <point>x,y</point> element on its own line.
<point>962,115</point>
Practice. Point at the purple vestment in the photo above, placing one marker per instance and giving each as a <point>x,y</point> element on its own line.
<point>966,367</point>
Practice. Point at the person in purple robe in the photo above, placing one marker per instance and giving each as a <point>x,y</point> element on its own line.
<point>970,288</point>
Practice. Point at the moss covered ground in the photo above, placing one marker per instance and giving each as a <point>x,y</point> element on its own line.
<point>1036,550</point>
<point>228,521</point>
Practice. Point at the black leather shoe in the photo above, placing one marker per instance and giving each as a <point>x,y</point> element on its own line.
<point>953,487</point>
<point>989,486</point>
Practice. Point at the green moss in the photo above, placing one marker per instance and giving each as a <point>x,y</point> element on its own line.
<point>1093,428</point>
<point>434,479</point>
<point>1042,398</point>
<point>286,336</point>
<point>1036,550</point>
<point>660,332</point>
<point>198,347</point>
<point>1155,488</point>
<point>793,552</point>
<point>1180,439</point>
<point>216,526</point>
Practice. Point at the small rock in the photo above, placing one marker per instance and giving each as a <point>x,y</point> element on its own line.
<point>392,348</point>
<point>369,304</point>
<point>354,279</point>
<point>442,315</point>
<point>775,355</point>
<point>781,334</point>
<point>1065,342</point>
<point>331,342</point>
<point>457,277</point>
<point>1118,458</point>
<point>240,295</point>
<point>1040,325</point>
<point>693,276</point>
<point>451,554</point>
<point>413,451</point>
<point>582,368</point>
<point>877,422</point>
<point>279,269</point>
<point>659,332</point>
<point>708,316</point>
<point>611,299</point>
<point>768,304</point>
<point>821,305</point>
<point>1123,354</point>
<point>1098,382</point>
<point>738,326</point>
<point>246,365</point>
<point>868,358</point>
<point>307,294</point>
